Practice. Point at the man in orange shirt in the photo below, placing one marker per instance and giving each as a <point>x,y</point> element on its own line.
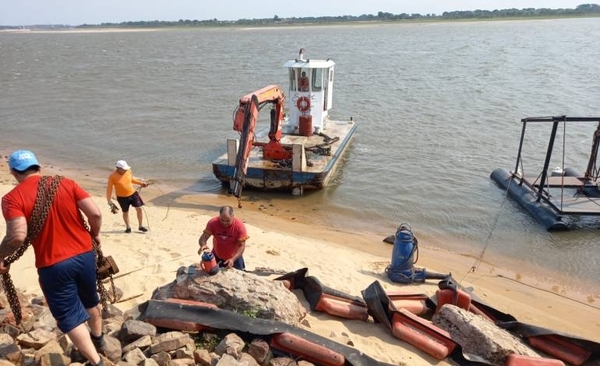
<point>64,255</point>
<point>122,180</point>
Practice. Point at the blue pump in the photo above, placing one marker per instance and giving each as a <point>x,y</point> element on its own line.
<point>404,255</point>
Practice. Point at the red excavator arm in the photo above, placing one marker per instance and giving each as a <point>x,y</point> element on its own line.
<point>244,121</point>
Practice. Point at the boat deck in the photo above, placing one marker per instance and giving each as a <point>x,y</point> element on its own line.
<point>562,193</point>
<point>576,205</point>
<point>331,140</point>
<point>322,153</point>
<point>556,182</point>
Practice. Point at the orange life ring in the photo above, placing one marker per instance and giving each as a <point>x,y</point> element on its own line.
<point>303,104</point>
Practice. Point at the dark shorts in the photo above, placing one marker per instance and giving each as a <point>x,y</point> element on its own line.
<point>237,264</point>
<point>70,288</point>
<point>134,200</point>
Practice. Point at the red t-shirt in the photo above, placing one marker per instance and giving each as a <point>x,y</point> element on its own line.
<point>226,240</point>
<point>63,235</point>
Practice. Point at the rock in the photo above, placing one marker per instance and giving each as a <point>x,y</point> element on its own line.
<point>246,359</point>
<point>9,350</point>
<point>183,353</point>
<point>135,356</point>
<point>182,362</point>
<point>51,354</point>
<point>202,357</point>
<point>132,330</point>
<point>121,363</point>
<point>45,319</point>
<point>238,291</point>
<point>169,342</point>
<point>478,336</point>
<point>142,343</point>
<point>10,329</point>
<point>260,350</point>
<point>227,360</point>
<point>37,338</point>
<point>113,348</point>
<point>282,361</point>
<point>232,345</point>
<point>161,358</point>
<point>112,326</point>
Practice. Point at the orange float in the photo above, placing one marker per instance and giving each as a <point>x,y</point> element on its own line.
<point>415,303</point>
<point>560,348</point>
<point>449,296</point>
<point>341,307</point>
<point>306,349</point>
<point>422,334</point>
<point>287,284</point>
<point>520,360</point>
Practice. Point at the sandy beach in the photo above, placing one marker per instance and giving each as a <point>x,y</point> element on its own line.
<point>346,261</point>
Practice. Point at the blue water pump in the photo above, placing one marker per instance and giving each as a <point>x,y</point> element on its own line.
<point>404,255</point>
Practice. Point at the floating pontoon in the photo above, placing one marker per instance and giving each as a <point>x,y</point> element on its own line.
<point>555,197</point>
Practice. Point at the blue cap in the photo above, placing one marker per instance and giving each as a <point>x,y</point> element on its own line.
<point>21,160</point>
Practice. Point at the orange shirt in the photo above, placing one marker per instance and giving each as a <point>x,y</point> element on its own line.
<point>123,184</point>
<point>63,235</point>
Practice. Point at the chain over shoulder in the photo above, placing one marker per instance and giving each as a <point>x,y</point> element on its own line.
<point>46,191</point>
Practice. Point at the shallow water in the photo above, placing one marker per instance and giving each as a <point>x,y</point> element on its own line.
<point>438,108</point>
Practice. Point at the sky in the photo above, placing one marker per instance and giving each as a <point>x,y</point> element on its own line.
<point>77,12</point>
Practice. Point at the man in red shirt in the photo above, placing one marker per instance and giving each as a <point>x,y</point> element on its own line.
<point>64,256</point>
<point>229,239</point>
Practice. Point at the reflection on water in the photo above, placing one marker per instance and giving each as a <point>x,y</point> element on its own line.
<point>437,105</point>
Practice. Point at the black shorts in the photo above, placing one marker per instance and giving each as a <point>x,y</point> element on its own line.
<point>134,200</point>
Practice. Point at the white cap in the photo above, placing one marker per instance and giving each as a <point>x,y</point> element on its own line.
<point>123,165</point>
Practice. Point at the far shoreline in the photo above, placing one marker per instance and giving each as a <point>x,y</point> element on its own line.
<point>116,28</point>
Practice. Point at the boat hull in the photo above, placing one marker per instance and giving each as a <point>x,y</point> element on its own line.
<point>264,174</point>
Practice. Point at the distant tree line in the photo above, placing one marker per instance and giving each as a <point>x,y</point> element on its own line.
<point>583,10</point>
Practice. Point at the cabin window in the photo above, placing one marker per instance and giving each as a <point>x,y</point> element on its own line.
<point>293,79</point>
<point>317,80</point>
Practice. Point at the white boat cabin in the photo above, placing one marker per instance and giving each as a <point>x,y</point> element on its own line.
<point>311,90</point>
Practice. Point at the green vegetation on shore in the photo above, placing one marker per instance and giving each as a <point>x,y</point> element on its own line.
<point>583,10</point>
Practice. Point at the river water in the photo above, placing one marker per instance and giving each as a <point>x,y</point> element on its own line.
<point>438,107</point>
